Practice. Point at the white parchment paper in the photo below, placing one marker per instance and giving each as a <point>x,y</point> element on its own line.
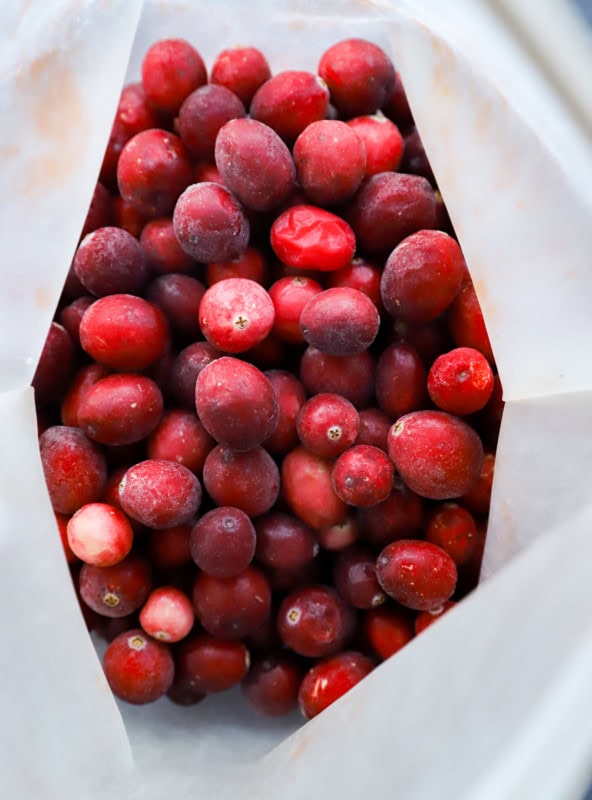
<point>493,701</point>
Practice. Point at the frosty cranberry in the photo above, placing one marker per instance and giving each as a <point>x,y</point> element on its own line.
<point>163,252</point>
<point>360,76</point>
<point>327,425</point>
<point>308,490</point>
<point>124,332</point>
<point>453,529</point>
<point>289,102</point>
<point>138,669</point>
<point>272,683</point>
<point>242,70</point>
<point>118,590</point>
<point>211,665</point>
<point>291,397</point>
<point>171,69</point>
<point>251,264</point>
<point>223,542</point>
<point>417,574</point>
<point>363,475</point>
<point>330,161</point>
<point>460,381</point>
<point>400,380</point>
<point>232,608</point>
<point>152,171</point>
<point>312,238</point>
<point>388,629</point>
<point>255,164</point>
<point>74,468</point>
<point>186,367</point>
<point>210,223</point>
<point>128,218</point>
<point>167,614</point>
<point>437,455</point>
<point>426,618</point>
<point>235,314</point>
<point>382,142</point>
<point>180,436</point>
<point>354,574</point>
<point>289,296</point>
<point>232,391</point>
<point>374,427</point>
<point>100,534</point>
<point>134,112</point>
<point>340,322</point>
<point>202,115</point>
<point>351,377</point>
<point>330,679</point>
<point>400,516</point>
<point>314,621</point>
<point>120,409</point>
<point>110,261</point>
<point>160,494</point>
<point>71,315</point>
<point>422,276</point>
<point>390,206</point>
<point>249,481</point>
<point>466,323</point>
<point>284,542</point>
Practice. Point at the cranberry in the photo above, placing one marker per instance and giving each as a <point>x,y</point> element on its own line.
<point>428,339</point>
<point>417,574</point>
<point>210,223</point>
<point>251,264</point>
<point>169,547</point>
<point>56,366</point>
<point>100,211</point>
<point>179,298</point>
<point>478,499</point>
<point>466,323</point>
<point>388,629</point>
<point>223,542</point>
<point>284,542</point>
<point>153,169</point>
<point>74,468</point>
<point>374,428</point>
<point>167,614</point>
<point>308,490</point>
<point>327,425</point>
<point>358,274</point>
<point>232,608</point>
<point>249,481</point>
<point>120,409</point>
<point>110,261</point>
<point>396,106</point>
<point>424,619</point>
<point>289,296</point>
<point>186,367</point>
<point>314,621</point>
<point>354,574</point>
<point>437,455</point>
<point>330,679</point>
<point>62,526</point>
<point>138,669</point>
<point>272,683</point>
<point>236,403</point>
<point>171,70</point>
<point>339,536</point>
<point>460,381</point>
<point>453,529</point>
<point>235,314</point>
<point>128,218</point>
<point>134,112</point>
<point>160,494</point>
<point>363,475</point>
<point>124,332</point>
<point>308,237</point>
<point>340,322</point>
<point>289,102</point>
<point>118,590</point>
<point>71,315</point>
<point>400,516</point>
<point>100,534</point>
<point>163,252</point>
<point>180,436</point>
<point>400,380</point>
<point>118,136</point>
<point>382,142</point>
<point>202,115</point>
<point>255,164</point>
<point>415,159</point>
<point>330,161</point>
<point>351,377</point>
<point>211,665</point>
<point>291,397</point>
<point>360,76</point>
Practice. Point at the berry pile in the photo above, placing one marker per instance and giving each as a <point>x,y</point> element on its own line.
<point>268,407</point>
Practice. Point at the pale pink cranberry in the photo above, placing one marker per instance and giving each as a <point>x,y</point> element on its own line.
<point>100,534</point>
<point>167,614</point>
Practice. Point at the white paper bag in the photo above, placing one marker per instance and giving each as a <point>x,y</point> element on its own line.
<point>491,701</point>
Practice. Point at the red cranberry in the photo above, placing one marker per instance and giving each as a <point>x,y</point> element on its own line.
<point>327,425</point>
<point>171,70</point>
<point>180,436</point>
<point>242,70</point>
<point>202,115</point>
<point>100,211</point>
<point>363,475</point>
<point>118,590</point>
<point>400,380</point>
<point>388,629</point>
<point>249,481</point>
<point>339,536</point>
<point>235,314</point>
<point>314,621</point>
<point>211,665</point>
<point>284,542</point>
<point>110,261</point>
<point>478,499</point>
<point>351,377</point>
<point>354,574</point>
<point>340,322</point>
<point>232,608</point>
<point>251,264</point>
<point>160,494</point>
<point>374,428</point>
<point>163,252</point>
<point>400,516</point>
<point>382,141</point>
<point>361,275</point>
<point>186,367</point>
<point>138,669</point>
<point>308,490</point>
<point>223,542</point>
<point>453,529</point>
<point>460,381</point>
<point>169,547</point>
<point>466,323</point>
<point>330,679</point>
<point>272,683</point>
<point>71,316</point>
<point>167,614</point>
<point>289,296</point>
<point>56,366</point>
<point>308,237</point>
<point>426,618</point>
<point>179,298</point>
<point>291,397</point>
<point>289,102</point>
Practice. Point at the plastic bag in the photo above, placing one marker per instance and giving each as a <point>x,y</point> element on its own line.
<point>481,705</point>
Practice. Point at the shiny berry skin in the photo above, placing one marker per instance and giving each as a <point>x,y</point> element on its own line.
<point>363,475</point>
<point>242,70</point>
<point>388,629</point>
<point>138,669</point>
<point>417,574</point>
<point>291,397</point>
<point>308,490</point>
<point>180,437</point>
<point>400,380</point>
<point>424,619</point>
<point>460,381</point>
<point>167,614</point>
<point>478,499</point>
<point>308,237</point>
<point>232,608</point>
<point>124,332</point>
<point>223,542</point>
<point>339,536</point>
<point>289,296</point>
<point>399,516</point>
<point>236,403</point>
<point>314,621</point>
<point>374,427</point>
<point>422,276</point>
<point>452,528</point>
<point>289,101</point>
<point>249,481</point>
<point>436,454</point>
<point>211,665</point>
<point>351,377</point>
<point>340,321</point>
<point>134,112</point>
<point>110,261</point>
<point>160,494</point>
<point>236,314</point>
<point>354,575</point>
<point>210,224</point>
<point>382,141</point>
<point>251,264</point>
<point>466,323</point>
<point>171,70</point>
<point>152,171</point>
<point>202,115</point>
<point>272,683</point>
<point>100,534</point>
<point>330,679</point>
<point>358,274</point>
<point>284,542</point>
<point>119,590</point>
<point>327,425</point>
<point>360,76</point>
